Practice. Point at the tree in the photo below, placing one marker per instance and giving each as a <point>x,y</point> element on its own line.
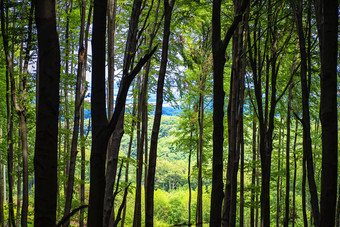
<point>79,97</point>
<point>101,128</point>
<point>328,109</point>
<point>305,87</point>
<point>45,158</point>
<point>219,47</point>
<point>235,122</point>
<point>168,7</point>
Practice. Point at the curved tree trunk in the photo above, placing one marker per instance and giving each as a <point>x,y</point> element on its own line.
<point>149,196</point>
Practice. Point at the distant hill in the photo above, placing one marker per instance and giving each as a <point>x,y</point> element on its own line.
<point>170,111</point>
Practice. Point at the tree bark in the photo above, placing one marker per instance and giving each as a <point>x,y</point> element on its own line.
<point>78,100</point>
<point>328,111</point>
<point>294,179</point>
<point>45,159</point>
<point>287,215</point>
<point>102,129</point>
<point>2,184</point>
<point>149,196</point>
<point>133,124</point>
<point>235,127</point>
<point>253,176</point>
<point>219,47</point>
<point>307,146</point>
<point>82,121</point>
<point>279,180</point>
<point>199,212</point>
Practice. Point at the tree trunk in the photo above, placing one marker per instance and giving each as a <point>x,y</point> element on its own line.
<point>114,142</point>
<point>199,212</point>
<point>294,179</point>
<point>234,127</point>
<point>278,188</point>
<point>133,124</point>
<point>307,147</point>
<point>45,159</point>
<point>287,216</point>
<point>18,192</point>
<point>78,101</point>
<point>139,169</point>
<point>98,115</point>
<point>219,47</point>
<point>253,176</point>
<point>2,184</point>
<point>102,129</point>
<point>189,180</point>
<point>303,189</point>
<point>82,120</point>
<point>328,111</point>
<point>9,106</point>
<point>149,195</point>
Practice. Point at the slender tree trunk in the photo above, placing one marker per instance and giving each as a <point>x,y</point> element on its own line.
<point>278,188</point>
<point>242,181</point>
<point>328,111</point>
<point>307,147</point>
<point>45,159</point>
<point>82,120</point>
<point>257,212</point>
<point>294,179</point>
<point>199,212</point>
<point>304,211</point>
<point>149,195</point>
<point>219,47</point>
<point>78,100</point>
<point>253,176</point>
<point>139,168</point>
<point>133,124</point>
<point>114,142</point>
<point>2,184</point>
<point>234,121</point>
<point>66,93</point>
<point>18,193</point>
<point>287,215</point>
<point>102,129</point>
<point>10,104</point>
<point>189,179</point>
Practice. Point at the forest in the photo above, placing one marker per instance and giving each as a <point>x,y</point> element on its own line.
<point>169,113</point>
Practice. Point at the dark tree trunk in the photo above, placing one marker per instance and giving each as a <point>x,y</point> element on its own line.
<point>303,189</point>
<point>10,111</point>
<point>149,196</point>
<point>253,176</point>
<point>234,124</point>
<point>98,114</point>
<point>133,124</point>
<point>45,158</point>
<point>82,121</point>
<point>219,47</point>
<point>189,179</point>
<point>78,101</point>
<point>114,142</point>
<point>294,179</point>
<point>199,212</point>
<point>307,143</point>
<point>279,180</point>
<point>2,221</point>
<point>102,129</point>
<point>328,111</point>
<point>287,216</point>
